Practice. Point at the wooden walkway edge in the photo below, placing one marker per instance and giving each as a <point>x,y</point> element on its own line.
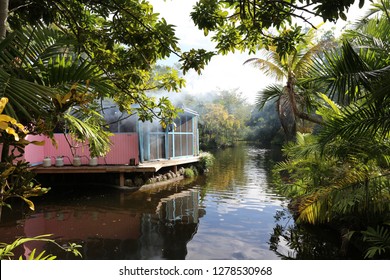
<point>147,167</point>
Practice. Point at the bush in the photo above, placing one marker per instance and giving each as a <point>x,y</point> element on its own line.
<point>189,173</point>
<point>195,170</point>
<point>206,161</point>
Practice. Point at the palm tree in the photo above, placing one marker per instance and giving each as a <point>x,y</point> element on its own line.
<point>45,80</point>
<point>292,100</point>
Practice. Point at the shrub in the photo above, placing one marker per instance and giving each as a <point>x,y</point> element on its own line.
<point>189,173</point>
<point>206,161</point>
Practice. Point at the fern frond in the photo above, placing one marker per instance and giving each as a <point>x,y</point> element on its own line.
<point>378,239</point>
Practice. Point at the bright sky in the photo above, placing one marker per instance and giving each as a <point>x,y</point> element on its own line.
<point>222,72</point>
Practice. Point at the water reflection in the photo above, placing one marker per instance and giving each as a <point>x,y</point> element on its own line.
<point>227,214</point>
<point>240,208</point>
<point>121,229</point>
<point>304,242</point>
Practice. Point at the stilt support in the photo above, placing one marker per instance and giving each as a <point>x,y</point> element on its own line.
<point>121,179</point>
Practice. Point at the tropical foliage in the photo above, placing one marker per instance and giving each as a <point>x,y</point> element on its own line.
<point>42,59</point>
<point>294,102</point>
<point>219,127</point>
<point>341,175</point>
<point>59,58</point>
<point>7,251</point>
<point>66,54</point>
<point>264,126</point>
<point>330,187</point>
<point>15,178</point>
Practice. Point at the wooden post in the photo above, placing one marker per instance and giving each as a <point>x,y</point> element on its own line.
<point>121,179</point>
<point>140,141</point>
<point>166,138</point>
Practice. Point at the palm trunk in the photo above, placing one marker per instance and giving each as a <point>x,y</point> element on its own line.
<point>3,18</point>
<point>286,118</point>
<point>297,112</point>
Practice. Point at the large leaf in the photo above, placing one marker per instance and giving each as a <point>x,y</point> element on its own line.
<point>271,92</point>
<point>357,120</point>
<point>37,64</point>
<point>271,65</point>
<point>26,99</point>
<point>343,74</point>
<point>85,129</point>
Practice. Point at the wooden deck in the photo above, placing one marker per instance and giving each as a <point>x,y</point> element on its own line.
<point>151,166</point>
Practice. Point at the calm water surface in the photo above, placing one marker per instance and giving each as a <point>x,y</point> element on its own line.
<point>227,214</point>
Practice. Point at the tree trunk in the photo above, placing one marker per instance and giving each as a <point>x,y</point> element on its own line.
<point>287,118</point>
<point>297,112</point>
<point>3,18</point>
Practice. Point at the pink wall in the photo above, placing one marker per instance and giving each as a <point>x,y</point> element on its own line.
<point>34,153</point>
<point>124,147</point>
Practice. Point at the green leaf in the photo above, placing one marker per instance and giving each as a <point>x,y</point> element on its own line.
<point>29,203</point>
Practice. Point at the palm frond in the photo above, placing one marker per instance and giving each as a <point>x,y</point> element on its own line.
<point>344,75</point>
<point>26,99</point>
<point>372,42</point>
<point>378,239</point>
<point>357,193</point>
<point>357,121</point>
<point>306,60</point>
<point>270,64</point>
<point>37,64</point>
<point>271,92</point>
<point>86,129</point>
<point>376,9</point>
<point>61,70</point>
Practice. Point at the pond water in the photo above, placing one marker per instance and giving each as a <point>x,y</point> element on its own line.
<point>229,213</point>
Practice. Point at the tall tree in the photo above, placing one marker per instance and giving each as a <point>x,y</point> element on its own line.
<point>290,98</point>
<point>219,128</point>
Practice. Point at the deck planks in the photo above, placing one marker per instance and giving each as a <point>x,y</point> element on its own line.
<point>151,166</point>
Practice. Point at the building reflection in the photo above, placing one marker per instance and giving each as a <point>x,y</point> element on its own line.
<point>160,230</point>
<point>178,216</point>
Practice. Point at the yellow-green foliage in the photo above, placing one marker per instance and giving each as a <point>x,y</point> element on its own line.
<point>189,173</point>
<point>7,250</point>
<point>324,187</point>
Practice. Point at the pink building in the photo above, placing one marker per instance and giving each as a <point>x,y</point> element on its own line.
<point>133,142</point>
<point>124,147</point>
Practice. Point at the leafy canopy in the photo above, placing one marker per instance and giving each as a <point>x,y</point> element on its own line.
<point>255,24</point>
<point>124,39</point>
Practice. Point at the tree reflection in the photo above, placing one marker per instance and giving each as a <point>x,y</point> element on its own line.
<point>303,242</point>
<point>229,168</point>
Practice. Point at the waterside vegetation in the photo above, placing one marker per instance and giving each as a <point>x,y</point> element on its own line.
<point>332,106</point>
<point>339,174</point>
